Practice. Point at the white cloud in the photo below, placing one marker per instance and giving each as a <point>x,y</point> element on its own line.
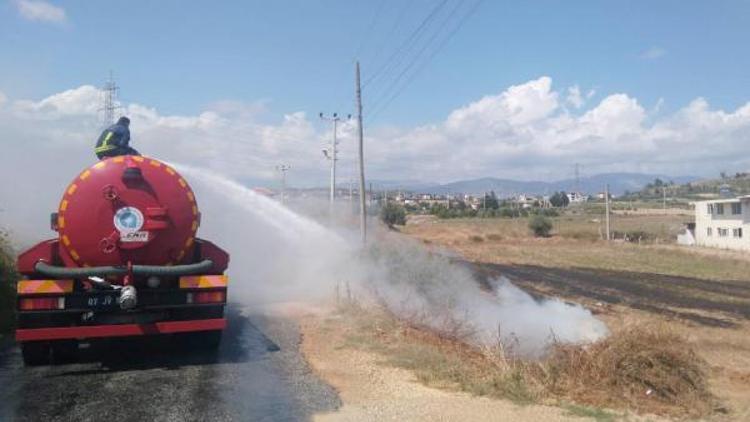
<point>41,11</point>
<point>84,100</point>
<point>518,105</point>
<point>574,97</point>
<point>523,132</point>
<point>653,53</point>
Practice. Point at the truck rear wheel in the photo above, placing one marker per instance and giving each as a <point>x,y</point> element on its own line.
<point>35,353</point>
<point>201,340</point>
<point>64,351</point>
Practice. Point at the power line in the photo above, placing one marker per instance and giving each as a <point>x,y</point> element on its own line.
<point>394,83</point>
<point>370,27</point>
<point>445,41</point>
<point>392,30</point>
<point>414,34</point>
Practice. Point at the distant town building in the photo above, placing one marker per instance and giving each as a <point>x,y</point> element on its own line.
<point>577,198</point>
<point>723,223</point>
<point>526,201</point>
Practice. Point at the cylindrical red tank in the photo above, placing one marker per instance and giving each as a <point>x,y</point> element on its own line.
<point>127,209</point>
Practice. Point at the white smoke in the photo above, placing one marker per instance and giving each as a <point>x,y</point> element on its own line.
<point>279,255</point>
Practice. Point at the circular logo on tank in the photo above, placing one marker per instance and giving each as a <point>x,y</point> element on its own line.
<point>128,220</point>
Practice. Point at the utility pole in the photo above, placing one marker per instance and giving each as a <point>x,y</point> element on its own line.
<point>362,209</point>
<point>331,153</point>
<point>351,195</point>
<point>283,168</point>
<point>606,207</point>
<point>664,198</point>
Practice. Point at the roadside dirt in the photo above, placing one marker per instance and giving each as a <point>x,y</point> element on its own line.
<point>374,391</point>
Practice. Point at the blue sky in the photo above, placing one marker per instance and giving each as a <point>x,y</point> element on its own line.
<point>523,90</point>
<point>297,55</point>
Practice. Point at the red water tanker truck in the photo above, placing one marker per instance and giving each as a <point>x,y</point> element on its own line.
<point>126,262</point>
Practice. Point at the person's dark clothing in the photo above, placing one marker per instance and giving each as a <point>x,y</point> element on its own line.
<point>115,140</point>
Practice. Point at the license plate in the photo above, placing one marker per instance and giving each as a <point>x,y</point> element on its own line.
<point>102,301</point>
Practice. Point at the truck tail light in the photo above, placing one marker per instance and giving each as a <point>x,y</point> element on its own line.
<point>215,296</point>
<point>41,303</point>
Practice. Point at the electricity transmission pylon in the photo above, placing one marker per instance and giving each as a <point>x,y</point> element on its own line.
<point>109,101</point>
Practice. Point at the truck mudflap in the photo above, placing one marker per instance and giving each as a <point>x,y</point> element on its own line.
<point>119,330</point>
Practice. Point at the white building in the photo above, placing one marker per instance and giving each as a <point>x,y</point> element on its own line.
<point>577,198</point>
<point>723,223</point>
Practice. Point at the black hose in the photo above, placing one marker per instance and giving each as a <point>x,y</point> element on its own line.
<point>175,270</point>
<point>158,270</point>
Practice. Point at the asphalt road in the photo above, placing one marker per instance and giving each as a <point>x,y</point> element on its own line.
<point>256,375</point>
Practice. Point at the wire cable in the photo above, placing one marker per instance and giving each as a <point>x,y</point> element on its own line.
<point>444,42</point>
<point>409,40</point>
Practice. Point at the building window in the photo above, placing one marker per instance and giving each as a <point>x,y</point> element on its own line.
<point>710,208</point>
<point>723,232</point>
<point>709,231</point>
<point>719,209</point>
<point>737,232</point>
<point>736,208</point>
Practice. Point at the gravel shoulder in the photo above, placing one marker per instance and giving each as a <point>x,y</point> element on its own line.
<point>374,391</point>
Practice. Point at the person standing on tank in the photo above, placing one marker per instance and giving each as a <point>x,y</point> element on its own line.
<point>115,140</point>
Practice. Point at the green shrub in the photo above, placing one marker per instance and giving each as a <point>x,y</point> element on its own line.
<point>540,225</point>
<point>547,212</point>
<point>393,214</point>
<point>8,278</point>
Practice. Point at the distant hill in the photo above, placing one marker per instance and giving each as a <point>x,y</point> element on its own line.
<point>618,184</point>
<point>727,185</point>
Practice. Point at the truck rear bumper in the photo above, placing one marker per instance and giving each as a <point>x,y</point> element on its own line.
<point>119,330</point>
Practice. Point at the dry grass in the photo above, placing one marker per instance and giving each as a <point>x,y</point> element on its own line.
<point>576,243</point>
<point>645,369</point>
<point>710,283</point>
<point>642,368</point>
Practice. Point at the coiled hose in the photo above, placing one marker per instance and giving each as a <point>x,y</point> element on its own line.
<point>157,270</point>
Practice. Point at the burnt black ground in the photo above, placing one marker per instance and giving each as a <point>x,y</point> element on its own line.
<point>715,303</point>
<point>257,374</point>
